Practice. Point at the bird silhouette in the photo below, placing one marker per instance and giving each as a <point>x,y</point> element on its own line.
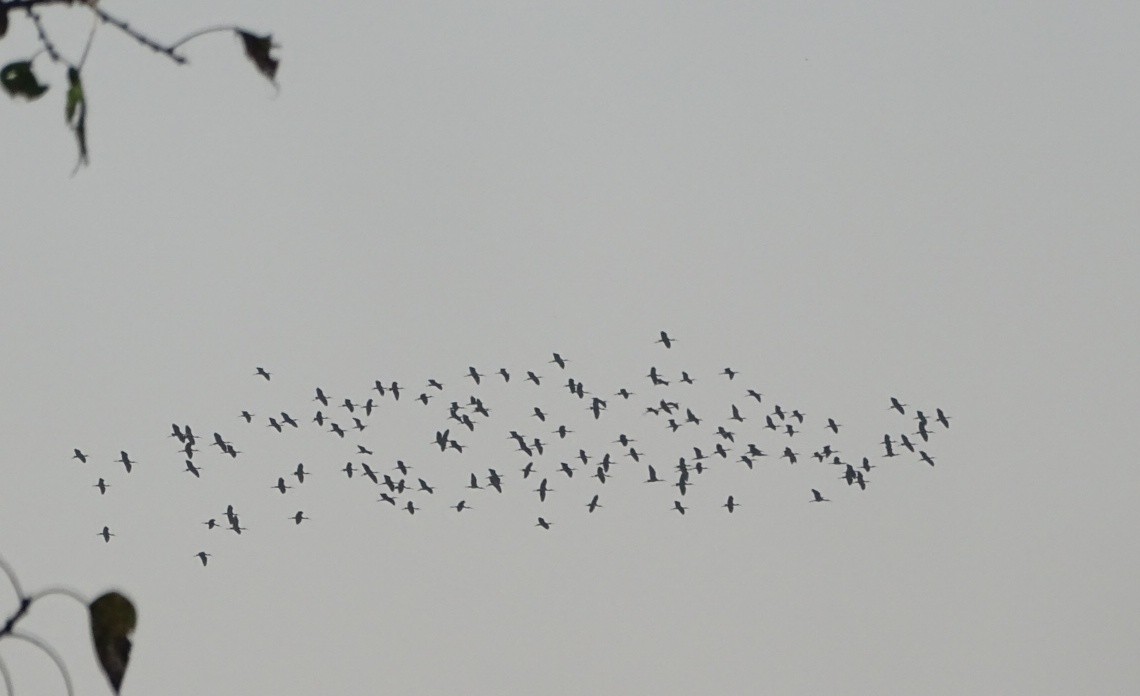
<point>126,461</point>
<point>80,456</point>
<point>106,534</point>
<point>203,556</point>
<point>593,504</point>
<point>261,372</point>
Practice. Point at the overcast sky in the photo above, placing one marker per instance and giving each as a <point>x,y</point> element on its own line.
<point>844,202</point>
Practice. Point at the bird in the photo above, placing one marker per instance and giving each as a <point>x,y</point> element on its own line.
<point>539,414</point>
<point>896,405</point>
<point>755,395</point>
<point>679,507</point>
<point>462,505</point>
<point>542,490</point>
<point>543,523</point>
<point>926,457</point>
<point>832,426</point>
<point>560,361</point>
<point>433,383</point>
<point>261,371</point>
<point>425,487</point>
<point>210,523</point>
<point>192,469</point>
<point>652,475</point>
<point>411,508</point>
<point>299,517</point>
<point>126,460</point>
<point>369,472</point>
<point>736,414</point>
<point>817,497</point>
<point>79,455</point>
<point>665,340</point>
<point>729,372</point>
<point>300,473</point>
<point>474,374</point>
<point>593,504</point>
<point>321,397</point>
<point>348,469</point>
<point>202,556</point>
<point>102,486</point>
<point>942,418</point>
<point>106,534</point>
<point>731,504</point>
<point>281,485</point>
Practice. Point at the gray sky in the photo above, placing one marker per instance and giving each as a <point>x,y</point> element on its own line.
<point>845,202</point>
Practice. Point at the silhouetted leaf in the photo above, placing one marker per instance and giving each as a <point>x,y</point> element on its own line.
<point>74,94</point>
<point>19,80</point>
<point>257,48</point>
<point>76,112</point>
<point>113,618</point>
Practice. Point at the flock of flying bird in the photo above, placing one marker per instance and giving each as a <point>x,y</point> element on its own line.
<point>547,462</point>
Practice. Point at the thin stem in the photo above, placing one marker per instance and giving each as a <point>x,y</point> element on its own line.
<point>87,48</point>
<point>12,578</point>
<point>60,591</point>
<point>124,27</point>
<point>9,691</point>
<point>200,32</point>
<point>52,654</point>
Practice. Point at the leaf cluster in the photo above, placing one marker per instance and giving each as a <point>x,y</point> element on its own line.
<point>19,80</point>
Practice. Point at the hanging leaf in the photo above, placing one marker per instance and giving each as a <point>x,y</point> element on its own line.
<point>257,48</point>
<point>74,94</point>
<point>76,113</point>
<point>113,618</point>
<point>19,80</point>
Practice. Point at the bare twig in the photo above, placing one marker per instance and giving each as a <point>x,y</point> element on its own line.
<point>52,654</point>
<point>48,45</point>
<point>12,578</point>
<point>9,691</point>
<point>124,27</point>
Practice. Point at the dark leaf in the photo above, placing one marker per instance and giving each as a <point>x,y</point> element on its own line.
<point>19,80</point>
<point>113,618</point>
<point>257,48</point>
<point>74,94</point>
<point>76,112</point>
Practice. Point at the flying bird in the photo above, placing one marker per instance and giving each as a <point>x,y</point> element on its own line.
<point>127,462</point>
<point>261,371</point>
